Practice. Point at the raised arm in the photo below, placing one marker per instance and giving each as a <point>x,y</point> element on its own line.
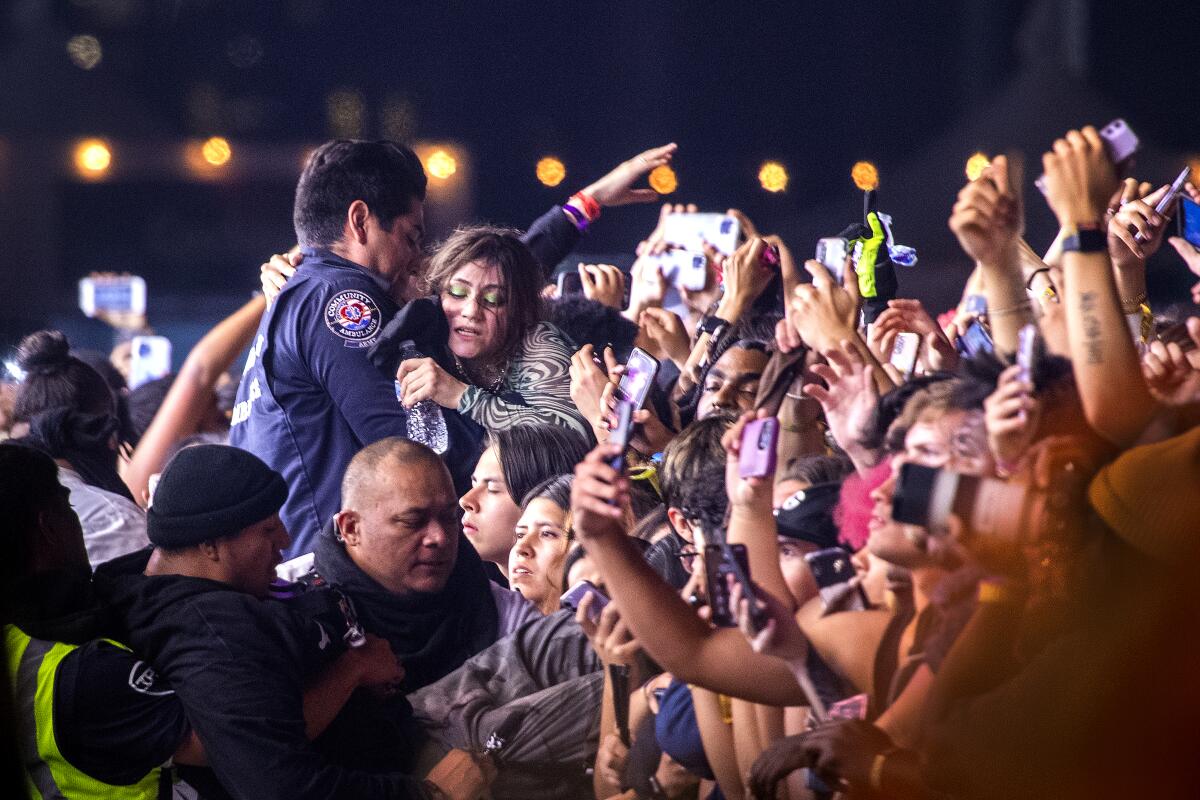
<point>682,643</point>
<point>1080,180</point>
<point>191,395</point>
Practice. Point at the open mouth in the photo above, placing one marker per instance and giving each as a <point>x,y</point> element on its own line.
<point>468,333</point>
<point>519,572</point>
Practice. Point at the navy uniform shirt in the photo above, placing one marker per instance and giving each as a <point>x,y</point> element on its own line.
<point>309,399</point>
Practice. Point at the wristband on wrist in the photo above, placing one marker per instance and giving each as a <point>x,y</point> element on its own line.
<point>587,204</point>
<point>711,324</point>
<point>581,222</point>
<point>1084,237</point>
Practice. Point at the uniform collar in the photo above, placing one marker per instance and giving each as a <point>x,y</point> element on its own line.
<point>321,256</point>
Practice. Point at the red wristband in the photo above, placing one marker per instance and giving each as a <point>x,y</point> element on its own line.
<point>588,204</point>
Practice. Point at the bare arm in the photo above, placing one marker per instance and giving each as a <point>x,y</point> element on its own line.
<point>191,394</point>
<point>682,643</point>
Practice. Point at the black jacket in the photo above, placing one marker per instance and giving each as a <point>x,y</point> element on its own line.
<point>239,664</point>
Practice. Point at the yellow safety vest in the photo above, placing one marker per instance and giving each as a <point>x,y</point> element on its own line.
<point>32,669</point>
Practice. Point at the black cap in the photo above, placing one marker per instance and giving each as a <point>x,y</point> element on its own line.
<point>808,515</point>
<point>209,491</point>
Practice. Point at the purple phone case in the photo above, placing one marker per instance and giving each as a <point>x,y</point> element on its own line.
<point>757,457</point>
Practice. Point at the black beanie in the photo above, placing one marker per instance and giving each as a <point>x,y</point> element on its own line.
<point>209,491</point>
<point>808,515</point>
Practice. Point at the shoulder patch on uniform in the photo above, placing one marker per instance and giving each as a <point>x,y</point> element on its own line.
<point>352,315</point>
<point>143,679</point>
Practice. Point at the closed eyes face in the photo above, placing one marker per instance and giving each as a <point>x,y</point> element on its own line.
<point>732,382</point>
<point>475,302</point>
<point>489,513</point>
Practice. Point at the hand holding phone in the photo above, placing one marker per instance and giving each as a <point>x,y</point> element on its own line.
<point>574,596</point>
<point>756,456</point>
<point>621,433</point>
<point>640,371</point>
<point>1166,202</point>
<point>832,570</point>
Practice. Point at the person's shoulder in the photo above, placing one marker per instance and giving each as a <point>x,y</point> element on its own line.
<point>547,338</point>
<point>512,608</point>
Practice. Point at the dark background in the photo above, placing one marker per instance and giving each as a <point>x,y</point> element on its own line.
<point>914,87</point>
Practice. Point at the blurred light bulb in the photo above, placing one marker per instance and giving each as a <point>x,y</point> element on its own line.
<point>551,171</point>
<point>441,164</point>
<point>216,151</point>
<point>865,175</point>
<point>662,180</point>
<point>976,164</point>
<point>85,51</point>
<point>773,176</point>
<point>93,157</point>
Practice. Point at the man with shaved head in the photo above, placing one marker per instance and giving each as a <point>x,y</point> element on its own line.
<point>397,549</point>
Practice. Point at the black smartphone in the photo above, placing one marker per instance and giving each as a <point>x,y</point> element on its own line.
<point>720,561</point>
<point>621,433</point>
<point>569,283</point>
<point>831,568</point>
<point>640,371</point>
<point>974,340</point>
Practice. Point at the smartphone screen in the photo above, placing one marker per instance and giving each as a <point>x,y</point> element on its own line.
<point>692,231</point>
<point>635,384</point>
<point>1189,221</point>
<point>569,283</point>
<point>831,252</point>
<point>904,352</point>
<point>150,359</point>
<point>975,340</point>
<point>716,569</point>
<point>1027,350</point>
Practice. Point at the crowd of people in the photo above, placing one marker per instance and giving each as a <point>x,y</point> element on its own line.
<point>463,529</point>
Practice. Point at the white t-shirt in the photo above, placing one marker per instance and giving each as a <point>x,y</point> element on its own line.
<point>112,525</point>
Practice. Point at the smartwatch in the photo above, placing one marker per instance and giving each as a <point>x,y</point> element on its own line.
<point>1089,238</point>
<point>711,324</point>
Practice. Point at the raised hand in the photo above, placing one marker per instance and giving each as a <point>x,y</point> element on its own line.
<point>744,491</point>
<point>822,312</point>
<point>780,636</point>
<point>275,273</point>
<point>599,495</point>
<point>848,398</point>
<point>616,188</point>
<point>1080,178</point>
<point>604,284</point>
<point>1011,415</point>
<point>1136,216</point>
<point>666,330</point>
<point>988,218</point>
<point>588,381</point>
<point>1172,374</point>
<point>1191,256</point>
<point>610,637</point>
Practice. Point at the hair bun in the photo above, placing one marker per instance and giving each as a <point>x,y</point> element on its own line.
<point>43,351</point>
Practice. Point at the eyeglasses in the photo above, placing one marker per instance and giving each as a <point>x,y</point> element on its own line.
<point>687,557</point>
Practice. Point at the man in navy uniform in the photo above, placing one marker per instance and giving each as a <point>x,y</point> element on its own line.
<point>309,398</point>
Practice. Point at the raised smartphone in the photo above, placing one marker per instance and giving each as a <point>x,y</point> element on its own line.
<point>122,294</point>
<point>756,458</point>
<point>640,370</point>
<point>573,596</point>
<point>831,568</point>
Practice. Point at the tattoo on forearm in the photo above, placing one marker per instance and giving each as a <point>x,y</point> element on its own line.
<point>1092,330</point>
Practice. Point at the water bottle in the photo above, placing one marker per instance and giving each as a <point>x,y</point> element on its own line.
<point>425,421</point>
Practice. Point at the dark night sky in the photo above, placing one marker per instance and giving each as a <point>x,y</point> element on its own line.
<point>815,85</point>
